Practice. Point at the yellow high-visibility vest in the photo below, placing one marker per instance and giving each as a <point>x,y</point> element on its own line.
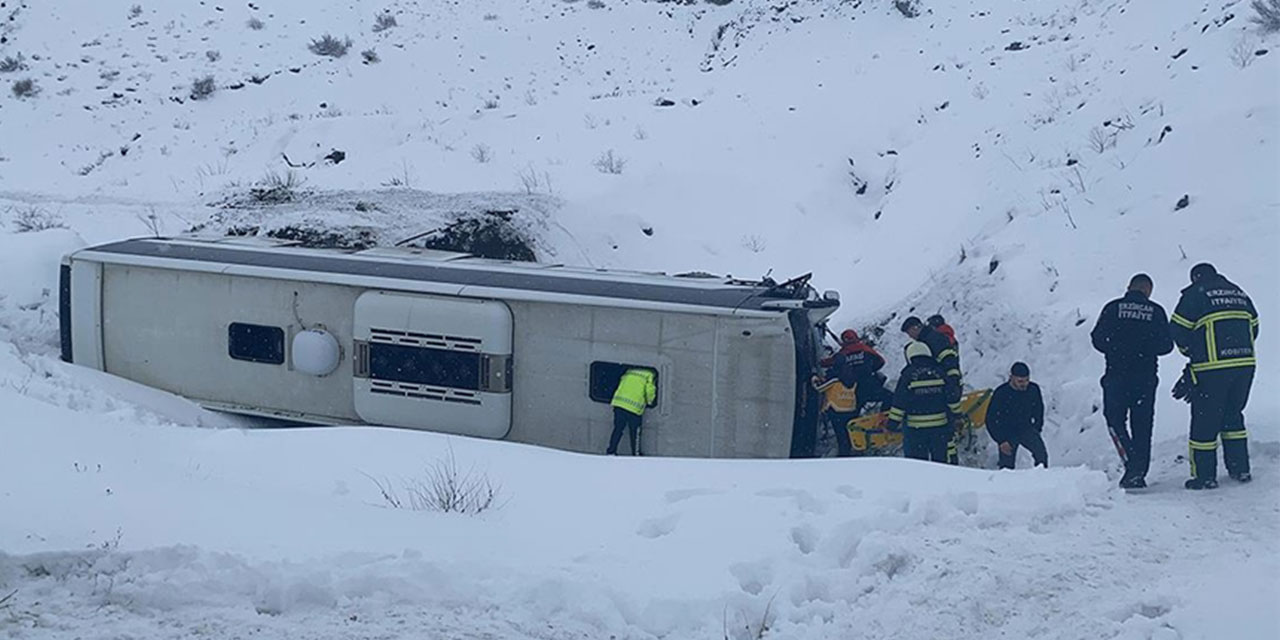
<point>636,391</point>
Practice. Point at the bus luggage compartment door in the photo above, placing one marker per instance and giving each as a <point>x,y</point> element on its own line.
<point>433,362</point>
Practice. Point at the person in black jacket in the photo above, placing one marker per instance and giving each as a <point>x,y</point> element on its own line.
<point>1016,416</point>
<point>1215,325</point>
<point>924,401</point>
<point>947,357</point>
<point>1132,332</point>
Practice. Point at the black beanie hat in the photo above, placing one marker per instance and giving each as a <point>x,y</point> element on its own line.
<point>1202,270</point>
<point>911,322</point>
<point>1020,369</point>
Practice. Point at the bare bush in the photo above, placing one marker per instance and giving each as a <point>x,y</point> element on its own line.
<point>753,243</point>
<point>1100,139</point>
<point>152,222</point>
<point>328,45</point>
<point>1268,15</point>
<point>213,55</point>
<point>370,56</point>
<point>491,104</point>
<point>274,188</point>
<point>443,488</point>
<point>481,153</point>
<point>383,21</point>
<point>595,4</point>
<point>135,11</point>
<point>25,88</point>
<point>203,88</point>
<point>10,64</point>
<point>1242,52</point>
<point>610,163</point>
<point>255,24</point>
<point>30,219</point>
<point>532,182</point>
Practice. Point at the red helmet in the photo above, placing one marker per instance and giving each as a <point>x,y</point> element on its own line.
<point>848,336</point>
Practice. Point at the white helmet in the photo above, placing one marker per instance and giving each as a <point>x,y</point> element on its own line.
<point>916,349</point>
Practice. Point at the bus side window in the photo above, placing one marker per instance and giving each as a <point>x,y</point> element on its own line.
<point>255,343</point>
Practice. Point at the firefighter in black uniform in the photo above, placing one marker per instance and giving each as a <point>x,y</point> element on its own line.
<point>947,357</point>
<point>1215,325</point>
<point>1132,332</point>
<point>926,400</point>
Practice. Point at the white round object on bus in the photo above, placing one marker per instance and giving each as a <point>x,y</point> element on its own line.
<point>315,352</point>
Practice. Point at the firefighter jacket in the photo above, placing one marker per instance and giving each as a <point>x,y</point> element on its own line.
<point>925,396</point>
<point>1132,332</point>
<point>636,390</point>
<point>948,356</point>
<point>1215,325</point>
<point>1013,412</point>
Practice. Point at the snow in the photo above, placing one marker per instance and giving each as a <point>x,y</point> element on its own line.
<point>129,513</point>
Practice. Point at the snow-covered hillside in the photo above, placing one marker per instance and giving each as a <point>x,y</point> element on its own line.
<point>1010,165</point>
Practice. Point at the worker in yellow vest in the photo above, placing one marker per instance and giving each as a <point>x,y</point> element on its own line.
<point>637,390</point>
<point>839,402</point>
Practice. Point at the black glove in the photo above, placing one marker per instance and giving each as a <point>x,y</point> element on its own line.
<point>1182,388</point>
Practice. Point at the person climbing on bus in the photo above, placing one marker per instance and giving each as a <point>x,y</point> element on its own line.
<point>637,390</point>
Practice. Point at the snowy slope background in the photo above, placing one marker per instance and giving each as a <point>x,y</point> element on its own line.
<point>1009,166</point>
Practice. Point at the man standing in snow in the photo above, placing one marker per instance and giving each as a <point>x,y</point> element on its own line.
<point>948,358</point>
<point>636,390</point>
<point>1215,325</point>
<point>1016,416</point>
<point>1132,332</point>
<point>926,401</point>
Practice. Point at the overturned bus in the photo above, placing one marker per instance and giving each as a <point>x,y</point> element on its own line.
<point>451,343</point>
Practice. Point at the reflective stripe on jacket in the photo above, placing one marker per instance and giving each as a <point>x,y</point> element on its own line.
<point>636,390</point>
<point>838,397</point>
<point>925,397</point>
<point>1215,325</point>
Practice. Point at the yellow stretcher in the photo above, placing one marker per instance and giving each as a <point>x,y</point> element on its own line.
<point>870,434</point>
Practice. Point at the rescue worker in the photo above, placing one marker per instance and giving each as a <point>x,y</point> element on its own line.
<point>940,347</point>
<point>862,364</point>
<point>1132,332</point>
<point>1215,325</point>
<point>948,357</point>
<point>926,402</point>
<point>839,403</point>
<point>940,325</point>
<point>636,390</point>
<point>1015,418</point>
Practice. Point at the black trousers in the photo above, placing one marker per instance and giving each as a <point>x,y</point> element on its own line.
<point>839,421</point>
<point>1033,442</point>
<point>1130,398</point>
<point>1217,409</point>
<point>927,443</point>
<point>624,420</point>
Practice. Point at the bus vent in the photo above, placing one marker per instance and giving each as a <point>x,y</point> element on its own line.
<point>429,340</point>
